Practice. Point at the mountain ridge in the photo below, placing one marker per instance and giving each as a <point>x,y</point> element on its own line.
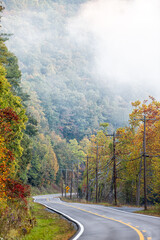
<point>58,74</point>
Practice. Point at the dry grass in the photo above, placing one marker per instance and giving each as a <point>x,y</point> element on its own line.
<point>152,211</point>
<point>15,220</point>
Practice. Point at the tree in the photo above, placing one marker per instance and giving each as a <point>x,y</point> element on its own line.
<point>43,168</point>
<point>131,150</point>
<point>13,104</point>
<point>100,173</point>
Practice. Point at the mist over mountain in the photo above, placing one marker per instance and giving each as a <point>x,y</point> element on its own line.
<point>125,40</point>
<point>71,64</point>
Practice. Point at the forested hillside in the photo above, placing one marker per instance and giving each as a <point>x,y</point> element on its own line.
<point>13,136</point>
<point>65,95</point>
<point>27,155</point>
<point>55,116</point>
<point>64,100</point>
<point>43,152</point>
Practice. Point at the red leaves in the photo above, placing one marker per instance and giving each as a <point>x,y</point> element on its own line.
<point>8,115</point>
<point>8,128</point>
<point>16,190</point>
<point>9,155</point>
<point>8,120</point>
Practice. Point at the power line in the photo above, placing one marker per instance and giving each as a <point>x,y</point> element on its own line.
<point>145,155</point>
<point>129,160</point>
<point>114,164</point>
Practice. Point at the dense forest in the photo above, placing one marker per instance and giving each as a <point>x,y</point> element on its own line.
<point>54,113</point>
<point>27,155</point>
<point>65,95</point>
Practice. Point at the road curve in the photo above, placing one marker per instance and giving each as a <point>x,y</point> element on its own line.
<point>98,222</point>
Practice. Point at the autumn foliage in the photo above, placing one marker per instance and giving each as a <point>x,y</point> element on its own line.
<point>129,157</point>
<point>9,187</point>
<point>13,193</point>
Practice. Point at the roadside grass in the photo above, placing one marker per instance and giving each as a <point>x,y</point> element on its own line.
<point>49,226</point>
<point>152,211</point>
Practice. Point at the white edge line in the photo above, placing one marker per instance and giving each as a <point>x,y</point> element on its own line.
<point>80,226</point>
<point>120,210</point>
<point>134,213</point>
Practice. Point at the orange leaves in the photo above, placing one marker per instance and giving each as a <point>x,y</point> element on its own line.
<point>151,108</point>
<point>8,123</point>
<point>131,141</point>
<point>152,112</point>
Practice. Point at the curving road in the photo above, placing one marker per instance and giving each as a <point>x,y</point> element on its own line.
<point>97,222</point>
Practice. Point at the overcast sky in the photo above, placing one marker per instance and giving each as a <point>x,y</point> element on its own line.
<point>125,38</point>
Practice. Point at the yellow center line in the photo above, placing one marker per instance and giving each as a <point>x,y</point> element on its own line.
<point>141,237</point>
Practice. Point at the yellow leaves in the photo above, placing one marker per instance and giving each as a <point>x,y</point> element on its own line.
<point>155,177</point>
<point>131,141</point>
<point>4,84</point>
<point>2,71</point>
<point>129,153</point>
<point>136,103</point>
<point>55,164</point>
<point>99,151</point>
<point>53,160</point>
<point>50,163</point>
<point>149,108</point>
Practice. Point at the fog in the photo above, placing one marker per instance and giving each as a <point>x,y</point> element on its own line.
<point>124,36</point>
<point>116,42</point>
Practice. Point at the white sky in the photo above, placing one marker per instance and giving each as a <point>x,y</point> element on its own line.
<point>125,38</point>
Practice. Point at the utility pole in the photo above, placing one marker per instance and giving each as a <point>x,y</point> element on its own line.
<point>71,182</point>
<point>65,182</point>
<point>97,174</point>
<point>62,183</point>
<point>114,165</point>
<point>87,181</point>
<point>77,178</point>
<point>145,156</point>
<point>114,169</point>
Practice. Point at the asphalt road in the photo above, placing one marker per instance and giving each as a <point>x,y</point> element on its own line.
<point>98,222</point>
